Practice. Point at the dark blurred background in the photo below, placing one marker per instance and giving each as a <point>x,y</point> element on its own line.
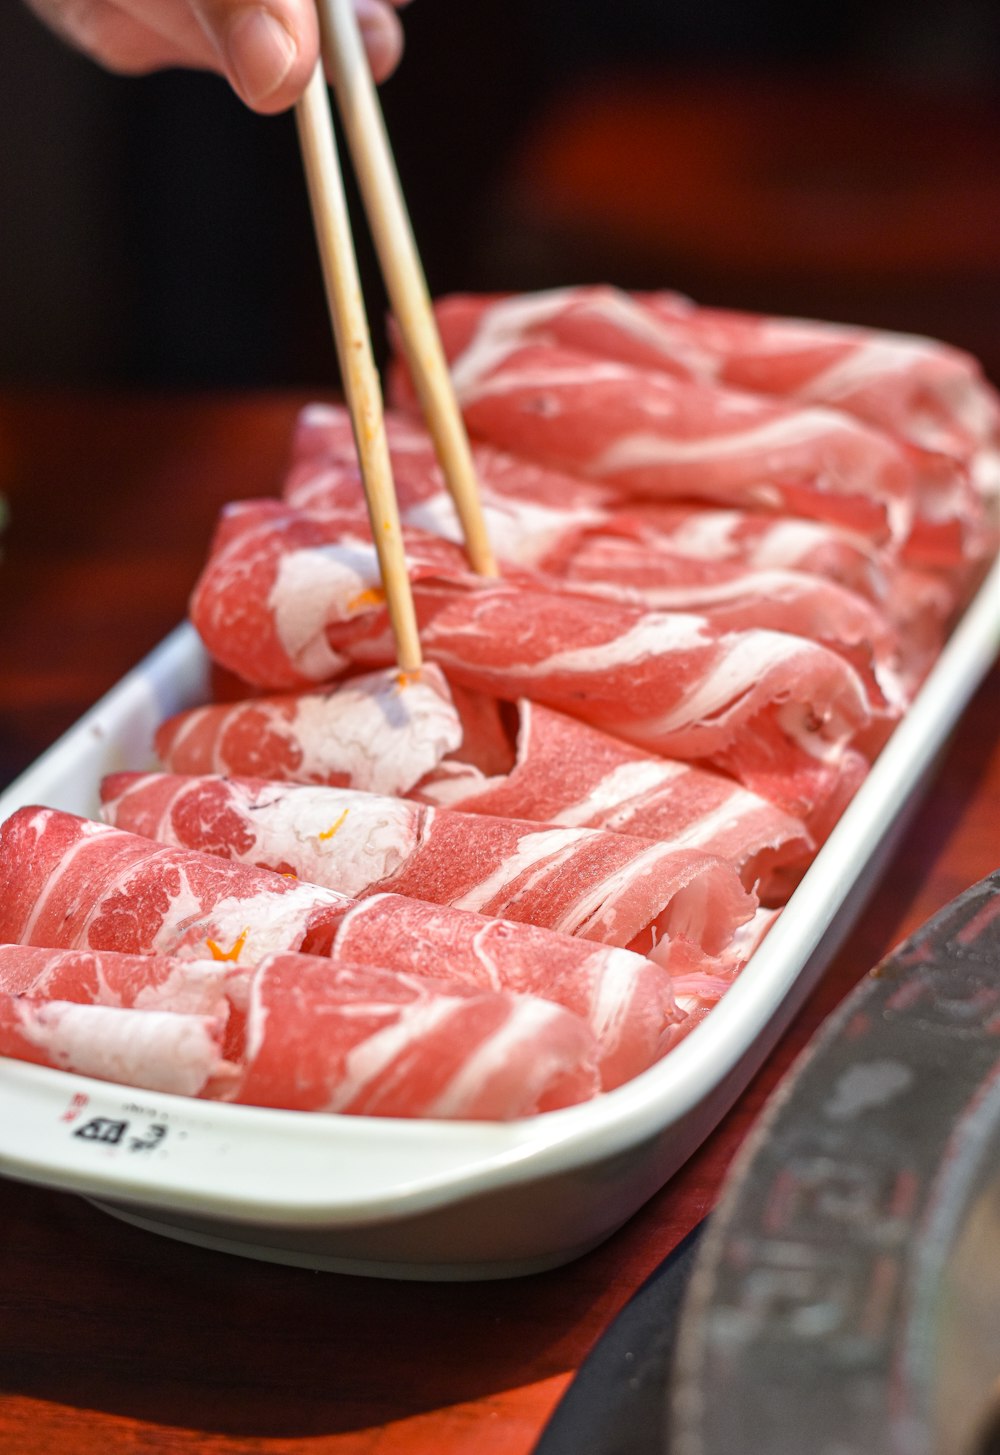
<point>838,161</point>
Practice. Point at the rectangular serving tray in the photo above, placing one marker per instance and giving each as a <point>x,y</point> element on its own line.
<point>436,1199</point>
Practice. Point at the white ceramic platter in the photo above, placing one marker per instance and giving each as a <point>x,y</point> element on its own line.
<point>432,1199</point>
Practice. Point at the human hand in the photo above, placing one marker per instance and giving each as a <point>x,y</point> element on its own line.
<point>266,51</point>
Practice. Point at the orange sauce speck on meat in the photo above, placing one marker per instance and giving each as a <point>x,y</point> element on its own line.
<point>233,954</point>
<point>374,596</point>
<point>329,833</point>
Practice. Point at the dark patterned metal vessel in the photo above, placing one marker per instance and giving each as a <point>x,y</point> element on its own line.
<point>846,1299</point>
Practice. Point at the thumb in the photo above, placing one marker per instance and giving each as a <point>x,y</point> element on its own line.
<point>267,50</point>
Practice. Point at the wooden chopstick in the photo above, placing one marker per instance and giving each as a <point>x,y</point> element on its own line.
<point>378,179</point>
<point>354,353</point>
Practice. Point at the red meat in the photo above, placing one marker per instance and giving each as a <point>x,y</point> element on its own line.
<point>612,888</point>
<point>568,772</point>
<point>356,1039</point>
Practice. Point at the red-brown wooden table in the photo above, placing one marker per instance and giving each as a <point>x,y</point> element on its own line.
<point>113,1340</point>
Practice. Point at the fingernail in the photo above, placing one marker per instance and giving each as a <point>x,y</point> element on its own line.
<point>260,53</point>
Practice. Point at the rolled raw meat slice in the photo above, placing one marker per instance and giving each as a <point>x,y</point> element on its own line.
<point>668,682</point>
<point>382,732</point>
<point>689,350</point>
<point>158,1050</point>
<point>775,711</point>
<point>324,474</point>
<point>523,531</point>
<point>571,773</point>
<point>675,557</point>
<point>692,543</point>
<point>595,551</point>
<point>927,392</point>
<point>324,609</point>
<point>918,605</point>
<point>636,572</point>
<point>288,599</point>
<point>741,540</point>
<point>345,1038</point>
<point>701,981</point>
<point>69,883</point>
<point>381,741</point>
<point>612,888</point>
<point>324,478</point>
<point>591,319</point>
<point>89,977</point>
<point>566,773</point>
<point>656,437</point>
<point>626,1000</point>
<point>622,555</point>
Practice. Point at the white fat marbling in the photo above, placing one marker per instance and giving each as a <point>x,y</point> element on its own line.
<point>985,474</point>
<point>652,635</point>
<point>527,1021</point>
<point>273,921</point>
<point>613,989</point>
<point>654,330</point>
<point>710,535</point>
<point>314,587</point>
<point>158,1050</point>
<point>189,987</point>
<point>617,789</point>
<point>797,721</point>
<point>87,831</point>
<point>594,911</point>
<point>569,372</point>
<point>455,782</point>
<point>542,851</point>
<point>519,531</point>
<point>512,322</point>
<point>341,839</point>
<point>501,331</point>
<point>321,416</point>
<point>371,1058</point>
<point>386,734</point>
<point>193,987</point>
<point>771,585</point>
<point>313,492</point>
<point>802,426</point>
<point>786,542</point>
<point>190,726</point>
<point>749,656</point>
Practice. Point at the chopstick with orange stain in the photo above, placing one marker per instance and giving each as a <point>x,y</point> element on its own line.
<point>357,366</point>
<point>378,179</point>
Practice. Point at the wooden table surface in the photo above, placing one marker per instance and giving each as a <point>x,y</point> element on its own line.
<point>113,1340</point>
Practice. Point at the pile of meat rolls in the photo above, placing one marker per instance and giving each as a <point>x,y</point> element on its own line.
<point>731,548</point>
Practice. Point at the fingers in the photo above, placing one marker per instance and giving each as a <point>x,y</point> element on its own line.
<point>266,51</point>
<point>265,48</point>
<point>130,38</point>
<point>382,34</point>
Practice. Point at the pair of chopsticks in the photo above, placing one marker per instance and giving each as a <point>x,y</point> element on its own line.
<point>378,180</point>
